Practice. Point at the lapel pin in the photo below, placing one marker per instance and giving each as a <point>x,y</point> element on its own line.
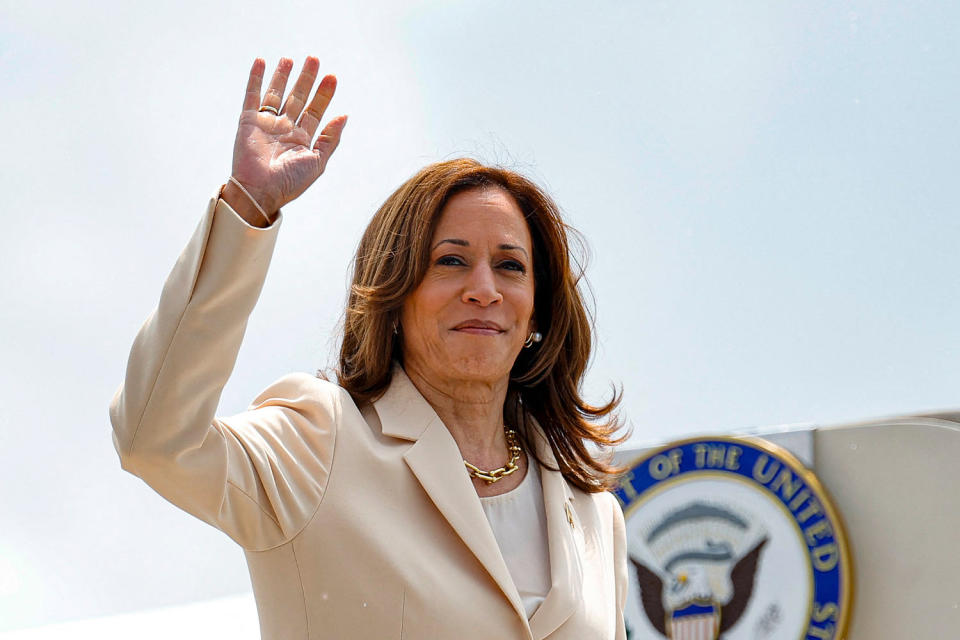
<point>566,507</point>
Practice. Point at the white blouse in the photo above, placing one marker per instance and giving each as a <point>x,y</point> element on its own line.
<point>519,523</point>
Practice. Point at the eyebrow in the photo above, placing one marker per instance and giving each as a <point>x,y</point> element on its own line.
<point>464,243</point>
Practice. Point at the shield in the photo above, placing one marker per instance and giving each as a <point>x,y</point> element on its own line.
<point>694,621</point>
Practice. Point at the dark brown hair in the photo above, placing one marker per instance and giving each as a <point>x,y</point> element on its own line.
<point>545,381</point>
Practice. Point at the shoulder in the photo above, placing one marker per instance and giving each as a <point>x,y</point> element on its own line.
<point>306,394</point>
<point>606,513</point>
<point>602,504</point>
<point>616,510</point>
<point>608,505</point>
<point>617,518</point>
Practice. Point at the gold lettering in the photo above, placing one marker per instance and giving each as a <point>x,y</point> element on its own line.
<point>660,467</point>
<point>819,529</point>
<point>825,557</point>
<point>813,508</point>
<point>676,456</point>
<point>717,454</point>
<point>799,500</point>
<point>824,612</point>
<point>821,633</point>
<point>667,464</point>
<point>700,451</point>
<point>762,475</point>
<point>626,484</point>
<point>786,485</point>
<point>733,458</point>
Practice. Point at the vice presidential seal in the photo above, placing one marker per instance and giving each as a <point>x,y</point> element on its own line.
<point>732,539</point>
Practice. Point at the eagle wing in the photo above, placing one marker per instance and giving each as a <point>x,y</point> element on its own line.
<point>651,595</point>
<point>742,576</point>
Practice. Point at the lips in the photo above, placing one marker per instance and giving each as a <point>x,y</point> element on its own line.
<point>479,327</point>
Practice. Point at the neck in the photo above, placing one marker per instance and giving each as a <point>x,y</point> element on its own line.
<point>472,412</point>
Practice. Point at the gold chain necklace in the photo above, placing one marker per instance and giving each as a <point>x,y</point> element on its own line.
<point>513,447</point>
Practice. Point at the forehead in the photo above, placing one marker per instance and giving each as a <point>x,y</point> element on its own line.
<point>485,214</point>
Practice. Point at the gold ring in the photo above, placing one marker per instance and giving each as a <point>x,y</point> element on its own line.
<point>272,110</point>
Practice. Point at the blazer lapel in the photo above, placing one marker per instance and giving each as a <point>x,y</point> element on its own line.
<point>435,460</point>
<point>565,540</point>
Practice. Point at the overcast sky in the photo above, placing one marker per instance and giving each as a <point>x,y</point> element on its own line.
<point>767,190</point>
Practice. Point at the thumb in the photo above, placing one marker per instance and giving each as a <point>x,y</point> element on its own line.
<point>329,138</point>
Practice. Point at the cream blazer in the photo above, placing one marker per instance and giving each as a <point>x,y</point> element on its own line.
<point>357,522</point>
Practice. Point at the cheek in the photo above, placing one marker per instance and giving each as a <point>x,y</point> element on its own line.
<point>420,313</point>
<point>412,322</point>
<point>525,308</point>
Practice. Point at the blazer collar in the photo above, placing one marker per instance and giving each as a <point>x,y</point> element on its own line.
<point>403,411</point>
<point>435,460</point>
<point>566,544</point>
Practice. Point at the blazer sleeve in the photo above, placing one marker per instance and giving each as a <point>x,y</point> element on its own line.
<point>257,475</point>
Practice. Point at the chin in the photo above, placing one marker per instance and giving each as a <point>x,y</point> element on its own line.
<point>480,367</point>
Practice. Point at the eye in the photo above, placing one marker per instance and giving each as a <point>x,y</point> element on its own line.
<point>513,265</point>
<point>453,261</point>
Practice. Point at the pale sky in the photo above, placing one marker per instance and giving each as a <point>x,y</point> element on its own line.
<point>767,190</point>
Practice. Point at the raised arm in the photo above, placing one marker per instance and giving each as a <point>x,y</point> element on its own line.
<point>257,475</point>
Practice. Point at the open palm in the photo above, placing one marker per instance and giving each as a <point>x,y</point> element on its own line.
<point>275,156</point>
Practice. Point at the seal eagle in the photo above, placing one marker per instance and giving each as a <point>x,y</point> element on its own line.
<point>742,577</point>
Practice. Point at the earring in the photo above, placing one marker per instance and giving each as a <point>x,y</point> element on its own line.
<point>533,338</point>
<point>396,328</point>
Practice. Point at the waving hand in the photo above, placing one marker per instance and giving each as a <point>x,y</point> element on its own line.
<point>275,156</point>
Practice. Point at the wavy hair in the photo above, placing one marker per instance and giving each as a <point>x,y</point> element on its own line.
<point>545,381</point>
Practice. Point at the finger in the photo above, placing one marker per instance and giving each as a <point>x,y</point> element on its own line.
<point>274,95</point>
<point>321,99</point>
<point>301,90</point>
<point>251,99</point>
<point>329,138</point>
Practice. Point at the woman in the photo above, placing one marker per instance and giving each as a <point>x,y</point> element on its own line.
<point>442,488</point>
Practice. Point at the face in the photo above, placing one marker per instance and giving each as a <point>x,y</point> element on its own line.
<point>469,317</point>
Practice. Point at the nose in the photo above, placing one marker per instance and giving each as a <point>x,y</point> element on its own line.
<point>481,287</point>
